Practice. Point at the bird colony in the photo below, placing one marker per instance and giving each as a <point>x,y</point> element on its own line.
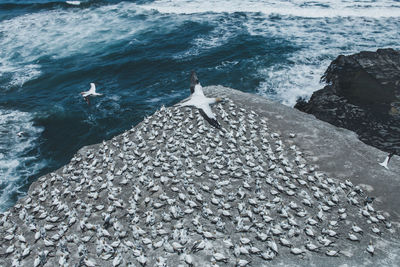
<point>174,191</point>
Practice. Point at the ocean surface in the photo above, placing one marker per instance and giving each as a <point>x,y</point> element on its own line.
<point>140,54</point>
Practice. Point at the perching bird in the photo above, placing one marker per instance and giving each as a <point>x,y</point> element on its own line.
<point>200,101</point>
<point>91,92</point>
<point>386,161</point>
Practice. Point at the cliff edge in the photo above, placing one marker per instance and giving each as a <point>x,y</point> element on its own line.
<point>274,185</point>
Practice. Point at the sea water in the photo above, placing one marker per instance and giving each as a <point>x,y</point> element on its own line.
<point>140,54</point>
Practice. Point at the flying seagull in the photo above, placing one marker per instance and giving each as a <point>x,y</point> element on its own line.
<point>200,101</point>
<point>91,92</point>
<point>386,161</point>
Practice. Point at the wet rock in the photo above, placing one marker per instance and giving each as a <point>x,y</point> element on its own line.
<point>363,95</point>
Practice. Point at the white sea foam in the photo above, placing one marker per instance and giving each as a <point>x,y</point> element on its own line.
<point>299,8</point>
<point>316,42</point>
<point>74,3</point>
<point>318,31</point>
<point>286,84</point>
<point>311,44</point>
<point>225,30</point>
<point>56,34</point>
<point>59,34</point>
<point>17,161</point>
<point>312,34</point>
<point>319,41</point>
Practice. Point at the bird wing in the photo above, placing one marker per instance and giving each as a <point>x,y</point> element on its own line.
<point>195,86</point>
<point>206,112</point>
<point>193,81</point>
<point>186,102</point>
<point>85,94</point>
<point>385,162</point>
<point>92,88</point>
<point>198,90</point>
<point>390,156</point>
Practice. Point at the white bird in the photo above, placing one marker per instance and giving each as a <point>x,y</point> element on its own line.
<point>371,248</point>
<point>36,261</point>
<point>91,92</point>
<point>357,229</point>
<point>188,259</point>
<point>296,251</point>
<point>89,262</point>
<point>200,101</point>
<point>220,257</point>
<point>386,161</point>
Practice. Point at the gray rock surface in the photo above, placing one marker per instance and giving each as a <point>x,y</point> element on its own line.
<point>363,95</point>
<point>172,191</point>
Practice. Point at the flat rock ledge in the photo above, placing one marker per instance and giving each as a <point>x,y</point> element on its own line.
<point>275,186</point>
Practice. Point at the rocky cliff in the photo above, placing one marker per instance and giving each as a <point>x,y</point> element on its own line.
<point>274,186</point>
<point>363,95</point>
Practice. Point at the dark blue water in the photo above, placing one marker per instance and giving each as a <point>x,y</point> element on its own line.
<point>140,54</point>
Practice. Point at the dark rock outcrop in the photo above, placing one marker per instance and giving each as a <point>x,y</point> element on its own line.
<point>363,95</point>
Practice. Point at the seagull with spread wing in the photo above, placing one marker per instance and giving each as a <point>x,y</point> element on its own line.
<point>386,161</point>
<point>91,92</point>
<point>200,101</point>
